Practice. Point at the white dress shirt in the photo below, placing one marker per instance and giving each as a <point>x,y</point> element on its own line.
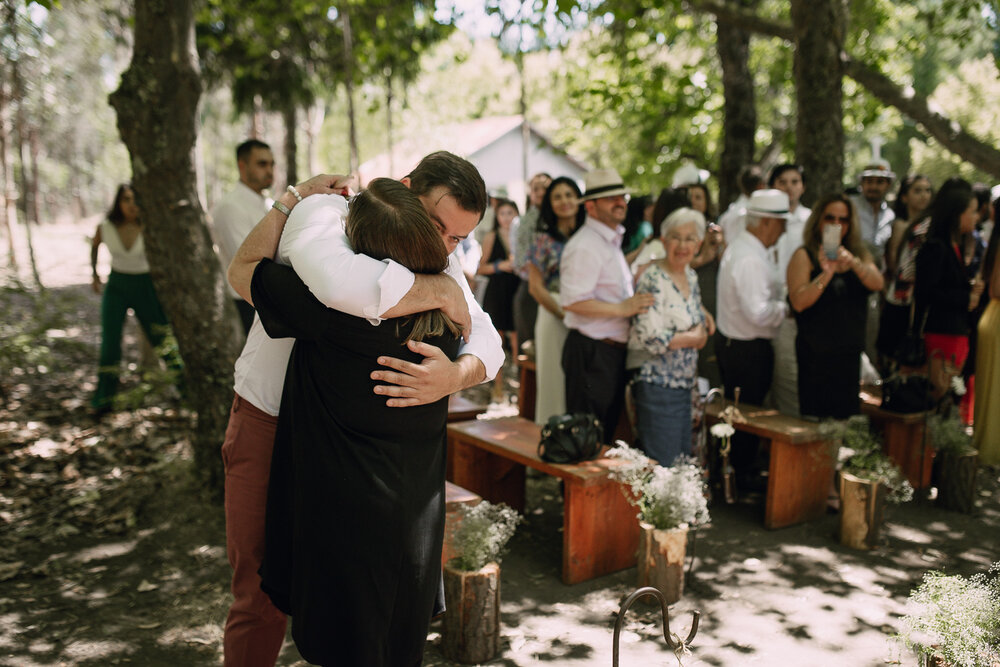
<point>233,217</point>
<point>594,267</point>
<point>876,229</point>
<point>315,245</point>
<point>750,303</point>
<point>790,241</point>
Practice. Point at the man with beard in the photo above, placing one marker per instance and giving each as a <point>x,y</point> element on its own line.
<point>597,294</point>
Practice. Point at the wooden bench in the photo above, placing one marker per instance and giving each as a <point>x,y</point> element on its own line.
<point>455,497</point>
<point>462,409</point>
<point>600,528</point>
<point>902,435</point>
<point>526,392</point>
<point>800,471</point>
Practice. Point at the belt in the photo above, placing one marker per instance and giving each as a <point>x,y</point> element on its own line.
<point>614,343</point>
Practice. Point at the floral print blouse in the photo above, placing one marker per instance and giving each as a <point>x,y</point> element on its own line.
<point>545,255</point>
<point>653,330</point>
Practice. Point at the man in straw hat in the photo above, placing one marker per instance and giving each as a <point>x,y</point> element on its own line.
<point>751,307</point>
<point>874,215</point>
<point>596,293</point>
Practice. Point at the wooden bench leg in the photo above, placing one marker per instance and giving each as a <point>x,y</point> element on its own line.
<point>800,477</point>
<point>495,478</point>
<point>526,392</point>
<point>600,531</point>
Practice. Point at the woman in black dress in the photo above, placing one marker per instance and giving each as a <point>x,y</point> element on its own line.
<point>355,508</point>
<point>498,299</point>
<point>828,287</point>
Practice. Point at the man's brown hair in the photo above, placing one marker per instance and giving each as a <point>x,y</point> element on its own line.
<point>458,175</point>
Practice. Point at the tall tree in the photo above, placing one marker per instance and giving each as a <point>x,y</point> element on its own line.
<point>740,108</point>
<point>156,104</point>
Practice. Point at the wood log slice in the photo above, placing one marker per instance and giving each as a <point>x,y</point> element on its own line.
<point>956,480</point>
<point>471,630</point>
<point>861,507</point>
<point>661,560</point>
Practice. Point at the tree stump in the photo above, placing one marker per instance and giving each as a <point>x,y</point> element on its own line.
<point>661,559</point>
<point>955,474</point>
<point>861,505</point>
<point>471,632</point>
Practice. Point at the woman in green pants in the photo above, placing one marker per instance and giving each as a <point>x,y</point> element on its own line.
<point>129,286</point>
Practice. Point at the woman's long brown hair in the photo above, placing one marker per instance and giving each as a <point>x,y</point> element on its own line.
<point>388,221</point>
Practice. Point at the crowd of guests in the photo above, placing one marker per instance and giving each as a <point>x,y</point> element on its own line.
<point>641,296</point>
<point>620,296</point>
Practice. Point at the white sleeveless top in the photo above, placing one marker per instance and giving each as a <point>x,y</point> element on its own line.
<point>132,260</point>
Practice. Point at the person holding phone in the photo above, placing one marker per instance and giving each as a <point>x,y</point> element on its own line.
<point>829,280</point>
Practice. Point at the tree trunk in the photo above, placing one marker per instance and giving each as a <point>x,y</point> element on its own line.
<point>819,26</point>
<point>388,124</point>
<point>471,632</point>
<point>291,147</point>
<point>352,130</point>
<point>740,114</point>
<point>157,104</point>
<point>8,214</point>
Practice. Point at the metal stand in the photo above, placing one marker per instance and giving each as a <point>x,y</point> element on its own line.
<point>674,642</point>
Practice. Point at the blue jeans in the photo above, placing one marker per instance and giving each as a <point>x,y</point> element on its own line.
<point>664,421</point>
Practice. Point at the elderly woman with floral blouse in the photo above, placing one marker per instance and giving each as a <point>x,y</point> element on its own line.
<point>664,342</point>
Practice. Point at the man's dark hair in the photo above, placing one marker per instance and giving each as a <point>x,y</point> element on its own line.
<point>458,175</point>
<point>243,150</point>
<point>777,171</point>
<point>751,177</point>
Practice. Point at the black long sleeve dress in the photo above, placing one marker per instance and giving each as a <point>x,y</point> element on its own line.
<point>355,508</point>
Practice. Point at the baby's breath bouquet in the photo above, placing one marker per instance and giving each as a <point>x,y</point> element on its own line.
<point>665,497</point>
<point>482,534</point>
<point>861,455</point>
<point>957,618</point>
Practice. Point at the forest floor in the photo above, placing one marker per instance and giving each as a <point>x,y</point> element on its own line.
<point>109,553</point>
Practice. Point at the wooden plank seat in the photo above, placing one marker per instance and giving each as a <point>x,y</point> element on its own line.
<point>902,437</point>
<point>462,409</point>
<point>600,528</point>
<point>801,466</point>
<point>455,497</point>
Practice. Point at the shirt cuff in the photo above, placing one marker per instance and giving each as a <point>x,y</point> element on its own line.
<point>395,282</point>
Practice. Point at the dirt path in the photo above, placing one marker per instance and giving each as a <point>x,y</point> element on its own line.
<point>109,556</point>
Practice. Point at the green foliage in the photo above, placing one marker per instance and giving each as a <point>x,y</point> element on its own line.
<point>156,382</point>
<point>482,534</point>
<point>957,618</point>
<point>948,434</point>
<point>665,497</point>
<point>861,456</point>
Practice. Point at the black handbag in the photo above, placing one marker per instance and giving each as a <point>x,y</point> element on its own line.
<point>912,350</point>
<point>907,393</point>
<point>570,438</point>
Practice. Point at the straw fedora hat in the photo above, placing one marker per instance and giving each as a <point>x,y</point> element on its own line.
<point>768,204</point>
<point>603,183</point>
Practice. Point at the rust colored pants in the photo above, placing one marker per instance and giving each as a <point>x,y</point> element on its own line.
<point>254,629</point>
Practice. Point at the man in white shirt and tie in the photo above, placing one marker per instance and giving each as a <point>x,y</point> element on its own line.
<point>751,307</point>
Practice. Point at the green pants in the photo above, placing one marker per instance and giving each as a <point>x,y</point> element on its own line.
<point>124,291</point>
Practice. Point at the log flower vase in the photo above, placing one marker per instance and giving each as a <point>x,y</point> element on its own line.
<point>471,632</point>
<point>861,505</point>
<point>661,559</point>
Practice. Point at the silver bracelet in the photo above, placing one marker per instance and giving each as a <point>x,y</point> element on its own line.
<point>281,208</point>
<point>291,188</point>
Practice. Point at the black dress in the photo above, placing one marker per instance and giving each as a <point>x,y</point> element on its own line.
<point>355,507</point>
<point>831,336</point>
<point>498,299</point>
